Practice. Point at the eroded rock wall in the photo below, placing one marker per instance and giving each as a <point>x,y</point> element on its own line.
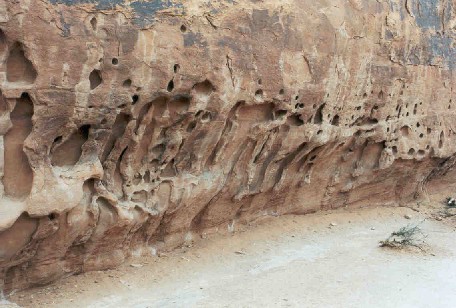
<point>130,128</point>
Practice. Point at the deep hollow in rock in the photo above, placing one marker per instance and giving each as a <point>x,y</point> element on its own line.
<point>18,177</point>
<point>18,68</point>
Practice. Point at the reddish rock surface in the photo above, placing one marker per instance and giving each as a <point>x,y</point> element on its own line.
<point>130,128</point>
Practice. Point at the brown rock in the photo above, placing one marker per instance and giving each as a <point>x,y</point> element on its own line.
<point>132,127</point>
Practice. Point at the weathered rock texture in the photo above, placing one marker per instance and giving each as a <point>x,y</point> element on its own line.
<point>130,128</point>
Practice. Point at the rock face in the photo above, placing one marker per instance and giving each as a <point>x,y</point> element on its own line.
<point>130,128</point>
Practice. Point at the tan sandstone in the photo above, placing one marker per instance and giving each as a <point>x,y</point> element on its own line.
<point>129,127</point>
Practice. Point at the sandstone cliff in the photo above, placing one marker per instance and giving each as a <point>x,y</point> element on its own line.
<point>128,127</point>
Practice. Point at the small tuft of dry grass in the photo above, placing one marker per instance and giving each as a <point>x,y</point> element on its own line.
<point>408,236</point>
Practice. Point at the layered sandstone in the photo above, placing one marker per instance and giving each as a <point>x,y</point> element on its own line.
<point>128,127</point>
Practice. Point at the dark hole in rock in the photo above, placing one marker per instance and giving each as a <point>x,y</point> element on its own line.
<point>135,99</point>
<point>18,67</point>
<point>89,186</point>
<point>318,119</point>
<point>93,23</point>
<point>207,117</point>
<point>295,120</point>
<point>69,152</point>
<point>441,140</point>
<point>147,176</point>
<point>118,129</point>
<point>84,131</point>
<point>405,131</point>
<point>259,94</point>
<point>95,79</point>
<point>191,126</point>
<point>170,87</point>
<point>159,149</point>
<point>127,83</point>
<point>18,175</point>
<point>279,114</point>
<point>3,43</point>
<point>203,89</point>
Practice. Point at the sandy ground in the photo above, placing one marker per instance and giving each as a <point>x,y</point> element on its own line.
<point>321,260</point>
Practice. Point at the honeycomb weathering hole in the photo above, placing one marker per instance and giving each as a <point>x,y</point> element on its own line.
<point>3,43</point>
<point>93,23</point>
<point>170,87</point>
<point>18,68</point>
<point>203,89</point>
<point>127,83</point>
<point>95,79</point>
<point>18,175</point>
<point>69,152</point>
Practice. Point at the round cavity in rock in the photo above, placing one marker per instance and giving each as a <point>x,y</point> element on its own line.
<point>127,83</point>
<point>259,94</point>
<point>58,139</point>
<point>115,61</point>
<point>93,23</point>
<point>95,79</point>
<point>170,86</point>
